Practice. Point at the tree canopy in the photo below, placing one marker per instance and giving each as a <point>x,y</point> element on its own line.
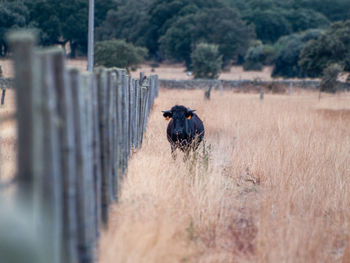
<point>332,47</point>
<point>118,53</point>
<point>172,29</point>
<point>206,61</point>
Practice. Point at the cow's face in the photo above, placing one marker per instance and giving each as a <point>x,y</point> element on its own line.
<point>180,116</point>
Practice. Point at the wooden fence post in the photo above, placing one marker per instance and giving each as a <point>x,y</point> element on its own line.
<point>142,78</point>
<point>88,83</point>
<point>115,134</point>
<point>127,114</point>
<point>96,156</point>
<point>134,109</point>
<point>29,122</point>
<point>86,229</point>
<point>261,95</point>
<point>103,106</point>
<point>138,115</point>
<point>143,109</point>
<point>50,197</point>
<point>110,132</point>
<point>119,93</point>
<point>125,119</point>
<point>157,85</point>
<point>67,150</point>
<point>131,113</point>
<point>3,92</point>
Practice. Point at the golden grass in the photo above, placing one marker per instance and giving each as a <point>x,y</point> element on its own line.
<point>8,137</point>
<point>276,189</point>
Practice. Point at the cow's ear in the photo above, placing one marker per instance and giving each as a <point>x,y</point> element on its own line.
<point>167,114</point>
<point>189,114</point>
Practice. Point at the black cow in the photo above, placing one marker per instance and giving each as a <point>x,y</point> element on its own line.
<point>185,129</point>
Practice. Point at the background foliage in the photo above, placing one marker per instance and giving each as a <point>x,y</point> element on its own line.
<point>171,29</point>
<point>207,61</point>
<point>118,53</point>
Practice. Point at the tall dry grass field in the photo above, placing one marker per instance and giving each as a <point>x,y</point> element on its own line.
<point>8,137</point>
<point>271,184</point>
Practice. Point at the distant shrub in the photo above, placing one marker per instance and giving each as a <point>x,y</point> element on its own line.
<point>276,88</point>
<point>206,61</point>
<point>258,55</point>
<point>329,78</point>
<point>118,53</point>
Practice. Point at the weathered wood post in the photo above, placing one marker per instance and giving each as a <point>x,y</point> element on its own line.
<point>51,184</point>
<point>119,95</point>
<point>110,132</point>
<point>96,156</point>
<point>103,106</point>
<point>85,229</point>
<point>157,85</point>
<point>115,156</point>
<point>143,109</point>
<point>29,121</point>
<point>88,82</point>
<point>132,112</point>
<point>67,162</point>
<point>137,113</point>
<point>3,92</point>
<point>221,87</point>
<point>125,119</point>
<point>261,95</point>
<point>142,77</point>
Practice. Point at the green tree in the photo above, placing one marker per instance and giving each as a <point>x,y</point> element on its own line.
<point>334,10</point>
<point>206,61</point>
<point>220,26</point>
<point>329,78</point>
<point>259,55</point>
<point>121,22</point>
<point>331,47</point>
<point>12,15</point>
<point>303,19</point>
<point>289,49</point>
<point>270,24</point>
<point>65,21</point>
<point>118,53</point>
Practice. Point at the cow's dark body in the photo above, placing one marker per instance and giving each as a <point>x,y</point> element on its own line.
<point>183,133</point>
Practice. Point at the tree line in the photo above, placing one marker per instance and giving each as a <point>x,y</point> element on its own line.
<point>293,35</point>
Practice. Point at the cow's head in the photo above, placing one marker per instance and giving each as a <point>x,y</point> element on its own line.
<point>180,116</point>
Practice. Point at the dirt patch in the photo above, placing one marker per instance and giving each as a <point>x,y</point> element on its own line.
<point>332,114</point>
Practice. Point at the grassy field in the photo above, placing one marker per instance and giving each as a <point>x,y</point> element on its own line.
<point>271,184</point>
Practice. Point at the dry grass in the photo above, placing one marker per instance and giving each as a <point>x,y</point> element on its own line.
<point>8,137</point>
<point>276,189</point>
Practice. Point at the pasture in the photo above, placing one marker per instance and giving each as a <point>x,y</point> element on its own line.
<point>270,185</point>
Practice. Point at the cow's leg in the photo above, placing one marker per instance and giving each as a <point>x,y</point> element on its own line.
<point>173,152</point>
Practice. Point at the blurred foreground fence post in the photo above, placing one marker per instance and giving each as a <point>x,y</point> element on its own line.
<point>76,133</point>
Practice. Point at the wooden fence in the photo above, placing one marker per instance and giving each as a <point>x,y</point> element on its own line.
<point>76,133</point>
